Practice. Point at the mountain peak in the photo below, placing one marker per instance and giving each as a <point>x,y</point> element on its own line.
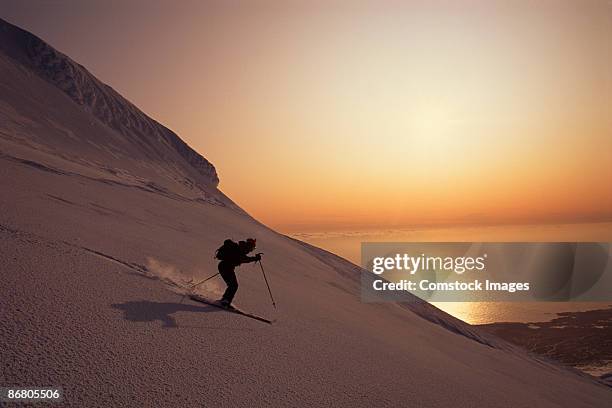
<point>101,101</point>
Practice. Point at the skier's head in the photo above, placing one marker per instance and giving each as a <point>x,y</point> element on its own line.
<point>248,245</point>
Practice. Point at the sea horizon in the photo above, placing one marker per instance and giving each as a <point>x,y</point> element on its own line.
<point>347,244</point>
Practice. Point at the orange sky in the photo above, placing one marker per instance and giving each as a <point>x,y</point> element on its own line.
<point>329,115</point>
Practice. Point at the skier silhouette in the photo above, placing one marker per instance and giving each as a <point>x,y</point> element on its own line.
<point>231,255</point>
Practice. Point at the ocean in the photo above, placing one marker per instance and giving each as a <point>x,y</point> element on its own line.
<point>347,244</point>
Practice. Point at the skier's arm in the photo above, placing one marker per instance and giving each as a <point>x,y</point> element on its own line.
<point>247,259</point>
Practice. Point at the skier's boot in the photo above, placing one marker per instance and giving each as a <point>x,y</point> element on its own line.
<point>226,304</point>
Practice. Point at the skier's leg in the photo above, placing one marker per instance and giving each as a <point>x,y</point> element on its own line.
<point>232,287</point>
<point>229,277</point>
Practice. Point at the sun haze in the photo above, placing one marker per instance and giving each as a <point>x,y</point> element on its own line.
<point>368,114</point>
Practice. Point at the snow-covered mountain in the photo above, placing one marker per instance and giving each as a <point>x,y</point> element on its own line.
<point>104,216</point>
<point>129,134</point>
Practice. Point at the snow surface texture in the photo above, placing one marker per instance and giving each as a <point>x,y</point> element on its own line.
<point>105,216</point>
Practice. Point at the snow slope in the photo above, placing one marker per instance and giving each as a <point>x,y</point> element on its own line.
<point>104,214</point>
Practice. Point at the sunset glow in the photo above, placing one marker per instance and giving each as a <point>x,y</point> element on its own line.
<point>372,114</point>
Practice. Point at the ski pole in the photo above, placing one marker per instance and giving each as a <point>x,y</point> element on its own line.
<point>266,279</point>
<point>207,279</point>
<point>199,283</point>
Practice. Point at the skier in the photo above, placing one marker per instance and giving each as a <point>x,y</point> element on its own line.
<point>231,255</point>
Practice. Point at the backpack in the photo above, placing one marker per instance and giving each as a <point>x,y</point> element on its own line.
<point>227,251</point>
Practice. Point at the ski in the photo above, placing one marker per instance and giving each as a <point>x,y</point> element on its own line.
<point>201,299</point>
